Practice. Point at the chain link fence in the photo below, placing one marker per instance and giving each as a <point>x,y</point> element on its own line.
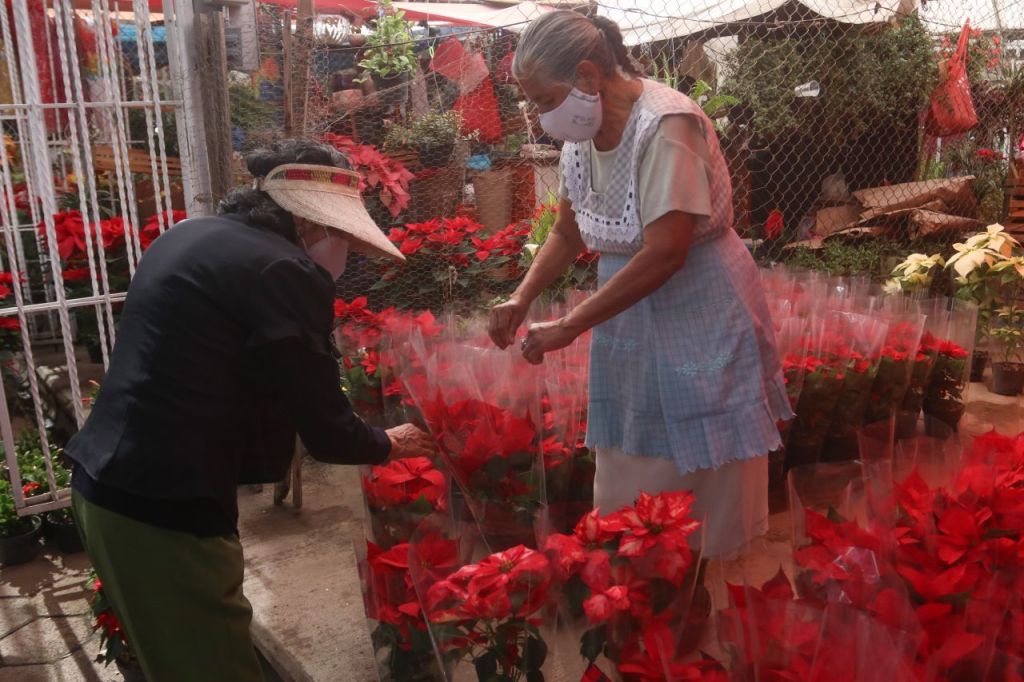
<point>822,113</point>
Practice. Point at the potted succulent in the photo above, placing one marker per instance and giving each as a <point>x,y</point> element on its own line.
<point>19,535</point>
<point>390,55</point>
<point>1008,332</point>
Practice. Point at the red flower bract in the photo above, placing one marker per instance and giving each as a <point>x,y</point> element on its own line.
<point>513,583</point>
<point>404,481</point>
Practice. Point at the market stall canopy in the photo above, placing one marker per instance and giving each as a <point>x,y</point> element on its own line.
<point>641,23</point>
<point>513,17</point>
<point>987,15</point>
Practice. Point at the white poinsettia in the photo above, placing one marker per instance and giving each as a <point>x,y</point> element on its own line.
<point>994,238</point>
<point>915,272</point>
<point>892,287</point>
<point>967,259</point>
<point>1016,263</point>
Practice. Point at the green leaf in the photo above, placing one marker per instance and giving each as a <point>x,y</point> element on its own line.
<point>486,667</point>
<point>535,652</point>
<point>496,467</point>
<point>592,643</point>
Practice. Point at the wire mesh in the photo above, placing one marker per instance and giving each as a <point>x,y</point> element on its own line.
<point>821,113</point>
<point>90,175</point>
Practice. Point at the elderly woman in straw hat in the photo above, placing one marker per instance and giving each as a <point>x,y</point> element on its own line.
<point>686,385</point>
<point>223,354</point>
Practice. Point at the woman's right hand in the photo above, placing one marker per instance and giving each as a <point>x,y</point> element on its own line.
<point>505,321</point>
<point>408,440</point>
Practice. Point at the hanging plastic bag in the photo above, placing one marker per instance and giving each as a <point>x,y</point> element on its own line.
<point>952,108</point>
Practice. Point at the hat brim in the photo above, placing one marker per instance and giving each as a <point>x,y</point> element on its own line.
<point>338,211</point>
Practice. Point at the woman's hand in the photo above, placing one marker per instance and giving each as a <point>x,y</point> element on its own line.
<point>546,337</point>
<point>505,320</point>
<point>409,441</point>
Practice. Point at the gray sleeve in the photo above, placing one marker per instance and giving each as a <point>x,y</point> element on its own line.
<point>675,173</point>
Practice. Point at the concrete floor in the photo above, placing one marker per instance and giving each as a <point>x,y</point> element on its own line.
<point>301,578</point>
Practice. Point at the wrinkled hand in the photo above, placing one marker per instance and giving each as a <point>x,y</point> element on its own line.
<point>505,320</point>
<point>409,441</point>
<point>546,337</point>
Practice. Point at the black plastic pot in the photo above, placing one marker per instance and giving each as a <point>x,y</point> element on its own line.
<point>62,532</point>
<point>1007,378</point>
<point>391,92</point>
<point>978,362</point>
<point>20,549</point>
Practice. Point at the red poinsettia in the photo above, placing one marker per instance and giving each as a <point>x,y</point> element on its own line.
<point>72,275</point>
<point>378,173</point>
<point>509,584</point>
<point>10,324</point>
<point>151,228</point>
<point>405,481</point>
<point>653,657</point>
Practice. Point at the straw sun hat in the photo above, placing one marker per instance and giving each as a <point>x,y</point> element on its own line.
<point>329,196</point>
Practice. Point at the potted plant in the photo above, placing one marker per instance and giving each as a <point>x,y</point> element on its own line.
<point>390,57</point>
<point>989,270</point>
<point>19,535</point>
<point>58,526</point>
<point>1008,332</point>
<point>432,137</point>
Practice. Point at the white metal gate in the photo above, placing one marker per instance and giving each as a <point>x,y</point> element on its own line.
<point>97,106</point>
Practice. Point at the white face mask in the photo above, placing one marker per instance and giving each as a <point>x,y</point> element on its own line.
<point>330,253</point>
<point>576,119</point>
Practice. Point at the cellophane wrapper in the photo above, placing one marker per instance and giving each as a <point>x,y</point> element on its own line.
<point>632,603</point>
<point>945,400</point>
<point>490,614</point>
<point>864,341</point>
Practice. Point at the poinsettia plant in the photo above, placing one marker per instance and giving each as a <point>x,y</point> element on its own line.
<point>381,176</point>
<point>582,274</point>
<point>944,570</point>
<point>113,641</point>
<point>489,614</point>
<point>400,635</point>
<point>361,334</point>
<point>450,261</point>
<point>628,577</point>
<point>944,399</point>
<point>401,494</point>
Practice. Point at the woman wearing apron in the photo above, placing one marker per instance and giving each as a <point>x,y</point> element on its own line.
<point>686,386</point>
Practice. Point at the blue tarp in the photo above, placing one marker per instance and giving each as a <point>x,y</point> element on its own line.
<point>128,36</point>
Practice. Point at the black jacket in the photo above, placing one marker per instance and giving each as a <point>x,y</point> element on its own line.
<point>222,354</point>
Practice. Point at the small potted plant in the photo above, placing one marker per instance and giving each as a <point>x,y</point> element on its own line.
<point>19,535</point>
<point>1008,333</point>
<point>390,55</point>
<point>432,137</point>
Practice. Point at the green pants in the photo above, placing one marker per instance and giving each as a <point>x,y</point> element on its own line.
<point>178,596</point>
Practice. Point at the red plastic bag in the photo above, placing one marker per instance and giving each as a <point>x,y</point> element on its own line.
<point>952,108</point>
<point>479,110</point>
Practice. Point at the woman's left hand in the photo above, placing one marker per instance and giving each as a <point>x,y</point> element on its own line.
<point>546,337</point>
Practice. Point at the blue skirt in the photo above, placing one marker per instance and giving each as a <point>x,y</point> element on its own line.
<point>690,373</point>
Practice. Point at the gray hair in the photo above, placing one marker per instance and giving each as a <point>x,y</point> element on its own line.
<point>553,45</point>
